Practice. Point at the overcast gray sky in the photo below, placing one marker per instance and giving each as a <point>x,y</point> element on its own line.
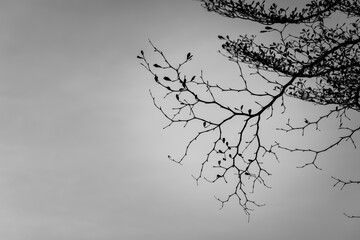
<point>82,151</point>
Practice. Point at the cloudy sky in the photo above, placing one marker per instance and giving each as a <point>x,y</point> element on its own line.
<point>82,152</point>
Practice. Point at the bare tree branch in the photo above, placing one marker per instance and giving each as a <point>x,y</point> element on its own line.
<point>320,64</point>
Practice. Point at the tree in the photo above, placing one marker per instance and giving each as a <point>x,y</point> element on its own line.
<point>313,60</point>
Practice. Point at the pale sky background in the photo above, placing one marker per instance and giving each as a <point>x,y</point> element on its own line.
<point>82,152</point>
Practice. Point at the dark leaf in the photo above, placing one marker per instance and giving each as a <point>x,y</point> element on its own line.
<point>157,65</point>
<point>167,78</point>
<point>184,84</point>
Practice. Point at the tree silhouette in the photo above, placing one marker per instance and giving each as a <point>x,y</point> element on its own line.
<point>313,59</point>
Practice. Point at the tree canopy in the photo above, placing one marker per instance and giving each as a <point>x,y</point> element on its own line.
<point>314,59</point>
